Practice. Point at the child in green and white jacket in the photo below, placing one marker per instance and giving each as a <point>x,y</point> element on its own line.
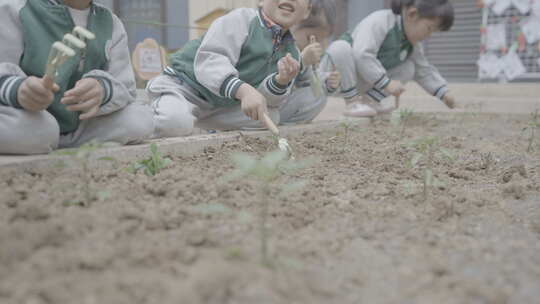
<point>241,69</point>
<point>92,99</point>
<point>319,79</point>
<point>384,51</point>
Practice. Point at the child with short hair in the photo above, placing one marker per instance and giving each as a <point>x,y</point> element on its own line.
<point>92,99</point>
<point>385,50</point>
<point>242,69</point>
<point>317,81</point>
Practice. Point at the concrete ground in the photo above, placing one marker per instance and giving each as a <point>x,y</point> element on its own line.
<point>484,98</point>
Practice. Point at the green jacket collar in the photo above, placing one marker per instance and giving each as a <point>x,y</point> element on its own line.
<point>278,33</point>
<point>61,3</point>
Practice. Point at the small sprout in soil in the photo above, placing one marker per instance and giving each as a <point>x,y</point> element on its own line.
<point>82,156</point>
<point>152,165</point>
<point>533,126</point>
<point>347,126</point>
<point>402,118</point>
<point>429,150</point>
<point>267,172</point>
<point>486,161</point>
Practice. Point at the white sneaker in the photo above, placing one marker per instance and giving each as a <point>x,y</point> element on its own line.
<point>357,109</point>
<point>382,108</point>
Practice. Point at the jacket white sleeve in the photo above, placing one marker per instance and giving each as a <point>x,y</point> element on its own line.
<point>219,53</point>
<point>118,80</point>
<point>368,37</point>
<point>11,49</point>
<point>276,93</point>
<point>427,76</point>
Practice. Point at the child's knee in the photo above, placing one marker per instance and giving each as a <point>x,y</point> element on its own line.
<point>138,122</point>
<point>27,132</point>
<point>172,117</point>
<point>340,51</point>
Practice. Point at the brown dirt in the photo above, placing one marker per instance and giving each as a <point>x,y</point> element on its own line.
<point>360,231</point>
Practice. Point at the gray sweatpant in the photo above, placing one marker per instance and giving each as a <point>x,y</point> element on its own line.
<point>178,109</point>
<point>301,107</point>
<point>25,132</point>
<point>340,53</point>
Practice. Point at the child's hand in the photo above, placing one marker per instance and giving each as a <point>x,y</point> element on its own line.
<point>449,100</point>
<point>36,94</point>
<point>311,55</point>
<point>334,80</point>
<point>395,88</point>
<point>253,103</point>
<point>85,97</point>
<point>288,69</point>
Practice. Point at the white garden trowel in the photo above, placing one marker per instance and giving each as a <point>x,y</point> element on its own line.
<point>57,56</point>
<point>282,142</point>
<point>62,51</point>
<point>83,34</point>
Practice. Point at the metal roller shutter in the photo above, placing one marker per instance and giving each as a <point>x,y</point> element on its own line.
<point>455,53</point>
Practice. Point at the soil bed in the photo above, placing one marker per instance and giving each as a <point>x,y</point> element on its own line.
<point>359,232</point>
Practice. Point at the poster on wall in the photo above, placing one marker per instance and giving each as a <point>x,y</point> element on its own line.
<point>510,40</point>
<point>531,29</point>
<point>500,6</point>
<point>513,66</point>
<point>489,65</point>
<point>523,6</point>
<point>496,36</point>
<point>536,8</point>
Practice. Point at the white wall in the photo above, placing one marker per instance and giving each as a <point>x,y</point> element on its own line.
<point>359,9</point>
<point>200,8</point>
<point>107,3</point>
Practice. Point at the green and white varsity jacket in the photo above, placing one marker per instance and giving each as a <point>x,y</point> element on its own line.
<point>240,47</point>
<point>30,27</point>
<point>380,44</point>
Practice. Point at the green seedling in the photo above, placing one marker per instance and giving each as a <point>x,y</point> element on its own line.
<point>347,127</point>
<point>428,150</point>
<point>267,171</point>
<point>152,165</point>
<point>532,126</point>
<point>82,156</point>
<point>402,118</point>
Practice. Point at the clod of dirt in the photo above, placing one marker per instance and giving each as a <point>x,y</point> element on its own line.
<point>508,175</point>
<point>30,212</point>
<point>196,238</point>
<point>444,209</point>
<point>514,190</point>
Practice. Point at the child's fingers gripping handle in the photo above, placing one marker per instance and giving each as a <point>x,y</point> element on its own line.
<point>270,125</point>
<point>48,82</point>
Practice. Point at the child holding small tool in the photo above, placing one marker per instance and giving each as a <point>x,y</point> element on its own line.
<point>317,81</point>
<point>87,98</point>
<point>385,50</point>
<point>240,72</point>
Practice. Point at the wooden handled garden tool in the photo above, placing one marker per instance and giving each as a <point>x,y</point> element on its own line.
<point>83,34</point>
<point>282,142</point>
<point>73,42</point>
<point>57,56</point>
<point>62,51</point>
<point>316,84</point>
